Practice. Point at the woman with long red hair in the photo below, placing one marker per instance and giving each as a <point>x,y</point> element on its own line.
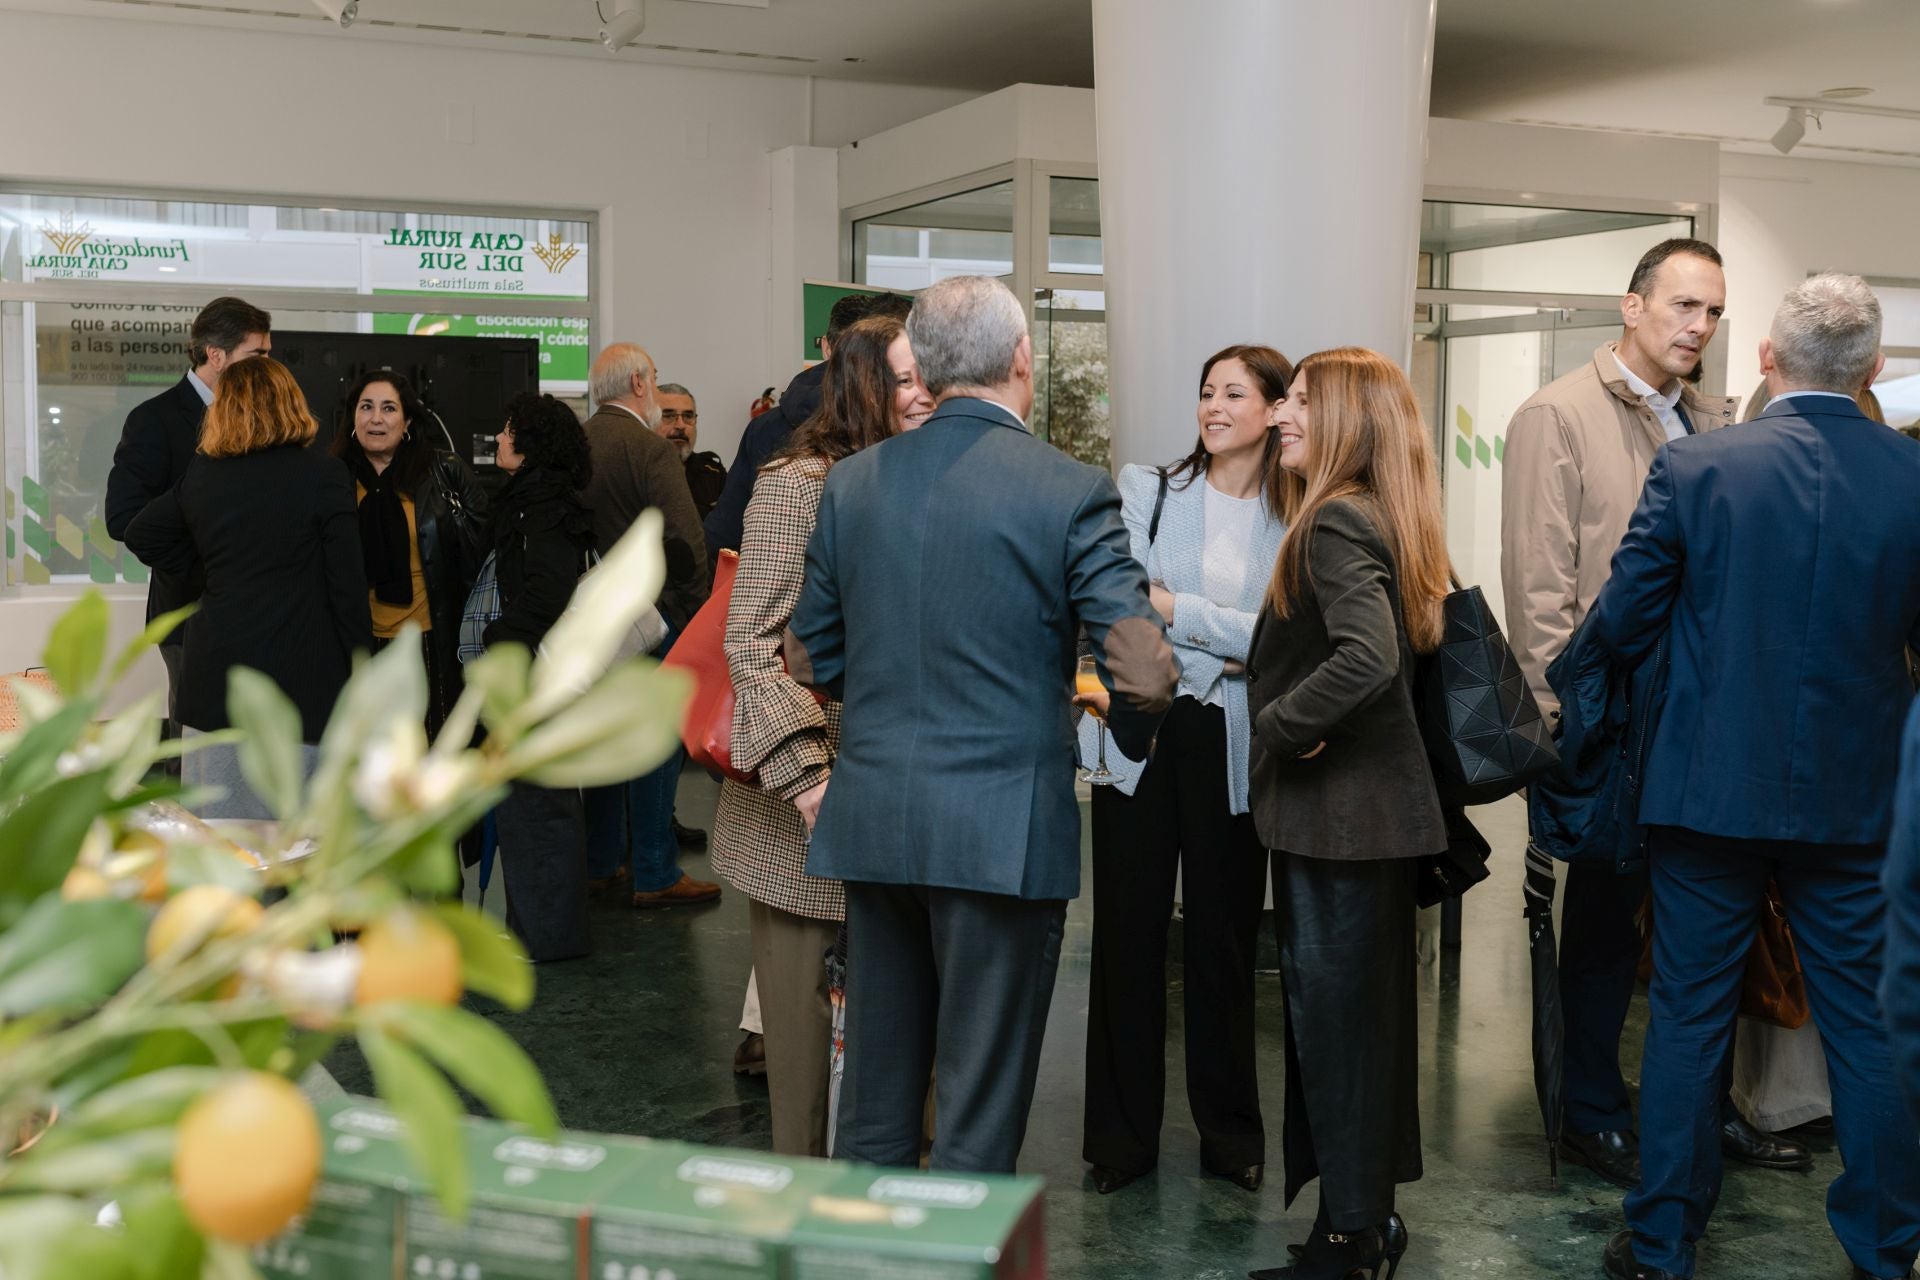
<point>1341,790</point>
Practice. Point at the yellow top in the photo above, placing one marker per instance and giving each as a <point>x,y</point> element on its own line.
<point>389,618</point>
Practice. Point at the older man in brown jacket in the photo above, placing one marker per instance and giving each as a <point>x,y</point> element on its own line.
<point>632,844</point>
<point>1577,455</point>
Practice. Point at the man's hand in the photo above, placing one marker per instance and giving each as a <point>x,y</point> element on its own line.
<point>808,802</point>
<point>1094,702</point>
<point>1162,601</point>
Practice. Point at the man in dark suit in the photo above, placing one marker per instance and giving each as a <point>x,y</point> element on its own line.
<point>948,576</point>
<point>159,439</point>
<point>631,844</point>
<point>1900,988</point>
<point>1781,562</point>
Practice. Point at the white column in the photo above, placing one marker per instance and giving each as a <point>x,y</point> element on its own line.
<point>803,211</point>
<point>1260,181</point>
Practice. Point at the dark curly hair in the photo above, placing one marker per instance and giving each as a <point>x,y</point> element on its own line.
<point>414,456</point>
<point>548,435</point>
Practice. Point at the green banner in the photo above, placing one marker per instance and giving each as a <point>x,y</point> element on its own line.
<point>816,301</point>
<point>564,353</point>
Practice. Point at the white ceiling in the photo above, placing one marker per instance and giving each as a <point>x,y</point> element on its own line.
<point>1693,68</point>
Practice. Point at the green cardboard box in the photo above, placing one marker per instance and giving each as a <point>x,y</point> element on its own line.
<point>532,1202</point>
<point>352,1230</point>
<point>702,1213</point>
<point>891,1224</point>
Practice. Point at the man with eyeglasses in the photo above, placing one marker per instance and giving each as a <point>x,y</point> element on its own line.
<point>679,426</point>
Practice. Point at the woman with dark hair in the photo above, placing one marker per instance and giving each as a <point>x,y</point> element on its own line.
<point>270,522</point>
<point>542,535</point>
<point>421,523</point>
<point>872,392</point>
<point>1342,791</point>
<point>1206,528</point>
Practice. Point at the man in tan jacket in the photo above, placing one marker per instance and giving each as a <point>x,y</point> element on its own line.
<point>1577,455</point>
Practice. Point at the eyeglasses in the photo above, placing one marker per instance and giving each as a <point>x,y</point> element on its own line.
<point>687,416</point>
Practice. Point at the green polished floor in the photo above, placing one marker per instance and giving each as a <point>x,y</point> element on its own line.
<point>639,1039</point>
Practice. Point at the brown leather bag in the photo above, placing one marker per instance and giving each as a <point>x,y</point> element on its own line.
<point>1775,989</point>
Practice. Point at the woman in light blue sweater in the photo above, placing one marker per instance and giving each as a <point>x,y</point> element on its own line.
<point>1207,529</point>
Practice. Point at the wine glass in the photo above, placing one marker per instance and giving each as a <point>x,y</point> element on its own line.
<point>1086,680</point>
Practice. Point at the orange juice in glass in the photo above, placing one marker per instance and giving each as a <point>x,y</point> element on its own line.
<point>1086,681</point>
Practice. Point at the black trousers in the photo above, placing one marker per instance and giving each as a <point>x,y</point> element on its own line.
<point>1176,821</point>
<point>543,858</point>
<point>953,980</point>
<point>1353,1090</point>
<point>1599,967</point>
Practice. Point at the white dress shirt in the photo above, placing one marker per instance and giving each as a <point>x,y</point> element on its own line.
<point>1661,402</point>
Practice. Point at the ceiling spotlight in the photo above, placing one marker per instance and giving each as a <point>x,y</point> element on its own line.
<point>624,27</point>
<point>340,11</point>
<point>1789,134</point>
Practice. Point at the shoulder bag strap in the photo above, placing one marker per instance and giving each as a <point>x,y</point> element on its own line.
<point>1159,503</point>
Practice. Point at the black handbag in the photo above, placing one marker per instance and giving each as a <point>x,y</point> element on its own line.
<point>1483,730</point>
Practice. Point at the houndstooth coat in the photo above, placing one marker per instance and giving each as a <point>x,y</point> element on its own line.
<point>779,730</point>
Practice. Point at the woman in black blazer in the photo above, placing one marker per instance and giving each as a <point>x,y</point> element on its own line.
<point>541,533</point>
<point>422,526</point>
<point>1342,793</point>
<point>270,522</point>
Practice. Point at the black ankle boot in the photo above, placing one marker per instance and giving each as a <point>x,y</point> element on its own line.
<point>1393,1239</point>
<point>1341,1256</point>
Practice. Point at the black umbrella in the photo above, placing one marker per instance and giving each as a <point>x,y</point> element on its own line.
<point>1549,1019</point>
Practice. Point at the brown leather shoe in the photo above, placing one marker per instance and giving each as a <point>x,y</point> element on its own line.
<point>684,892</point>
<point>750,1059</point>
<point>613,886</point>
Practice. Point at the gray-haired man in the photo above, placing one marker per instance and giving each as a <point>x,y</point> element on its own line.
<point>949,572</point>
<point>679,426</point>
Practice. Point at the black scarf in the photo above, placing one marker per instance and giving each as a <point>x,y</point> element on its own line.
<point>385,547</point>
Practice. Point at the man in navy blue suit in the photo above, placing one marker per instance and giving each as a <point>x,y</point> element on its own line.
<point>1900,988</point>
<point>948,577</point>
<point>1782,560</point>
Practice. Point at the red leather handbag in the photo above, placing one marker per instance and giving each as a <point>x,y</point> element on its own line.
<point>707,731</point>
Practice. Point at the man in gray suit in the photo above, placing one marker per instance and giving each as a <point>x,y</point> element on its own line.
<point>948,577</point>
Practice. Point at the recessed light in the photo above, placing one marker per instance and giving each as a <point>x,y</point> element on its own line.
<point>1846,91</point>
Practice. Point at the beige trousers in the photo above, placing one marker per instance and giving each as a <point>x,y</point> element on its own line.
<point>789,965</point>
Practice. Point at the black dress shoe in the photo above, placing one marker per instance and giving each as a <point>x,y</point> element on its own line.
<point>1247,1179</point>
<point>1614,1154</point>
<point>1107,1180</point>
<point>1741,1141</point>
<point>689,837</point>
<point>1622,1266</point>
<point>1861,1273</point>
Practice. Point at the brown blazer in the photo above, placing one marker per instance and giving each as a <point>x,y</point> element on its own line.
<point>779,729</point>
<point>634,469</point>
<point>1339,670</point>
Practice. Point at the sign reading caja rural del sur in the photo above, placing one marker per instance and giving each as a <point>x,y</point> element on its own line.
<point>79,253</point>
<point>430,260</point>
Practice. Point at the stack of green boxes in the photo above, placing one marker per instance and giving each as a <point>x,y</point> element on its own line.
<point>592,1207</point>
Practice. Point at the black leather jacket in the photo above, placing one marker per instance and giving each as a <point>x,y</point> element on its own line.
<point>450,520</point>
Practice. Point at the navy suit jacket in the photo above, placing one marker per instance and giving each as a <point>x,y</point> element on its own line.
<point>1784,556</point>
<point>1900,984</point>
<point>947,579</point>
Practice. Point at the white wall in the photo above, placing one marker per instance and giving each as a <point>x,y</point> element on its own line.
<point>676,162</point>
<point>1782,218</point>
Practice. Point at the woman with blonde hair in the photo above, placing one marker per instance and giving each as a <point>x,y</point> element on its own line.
<point>272,525</point>
<point>1342,792</point>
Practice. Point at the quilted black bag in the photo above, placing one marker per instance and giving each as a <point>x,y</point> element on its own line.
<point>1484,732</point>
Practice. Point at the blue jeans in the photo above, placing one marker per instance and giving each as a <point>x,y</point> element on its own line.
<point>1707,895</point>
<point>631,822</point>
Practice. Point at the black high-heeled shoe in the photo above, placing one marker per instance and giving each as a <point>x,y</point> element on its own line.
<point>1247,1179</point>
<point>1341,1256</point>
<point>1107,1180</point>
<point>1393,1239</point>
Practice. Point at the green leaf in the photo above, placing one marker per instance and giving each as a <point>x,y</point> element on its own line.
<point>77,645</point>
<point>126,743</point>
<point>34,761</point>
<point>198,742</point>
<point>605,604</point>
<point>191,864</point>
<point>391,685</point>
<point>492,961</point>
<point>156,631</point>
<point>31,1229</point>
<point>502,675</point>
<point>92,1167</point>
<point>167,1244</point>
<point>621,728</point>
<point>430,1113</point>
<point>157,1098</point>
<point>456,735</point>
<point>484,1060</point>
<point>258,1041</point>
<point>69,956</point>
<point>94,1253</point>
<point>429,864</point>
<point>270,752</point>
<point>40,839</point>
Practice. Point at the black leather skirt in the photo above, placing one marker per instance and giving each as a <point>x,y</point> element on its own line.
<point>1353,1102</point>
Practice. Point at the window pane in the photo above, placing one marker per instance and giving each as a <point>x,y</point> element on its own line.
<point>1073,226</point>
<point>1070,406</point>
<point>1520,248</point>
<point>970,233</point>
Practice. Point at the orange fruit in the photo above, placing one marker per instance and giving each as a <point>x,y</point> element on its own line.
<point>192,912</point>
<point>246,1158</point>
<point>408,955</point>
<point>84,884</point>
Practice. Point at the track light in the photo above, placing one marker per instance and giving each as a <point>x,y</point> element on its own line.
<point>340,11</point>
<point>624,27</point>
<point>1788,136</point>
